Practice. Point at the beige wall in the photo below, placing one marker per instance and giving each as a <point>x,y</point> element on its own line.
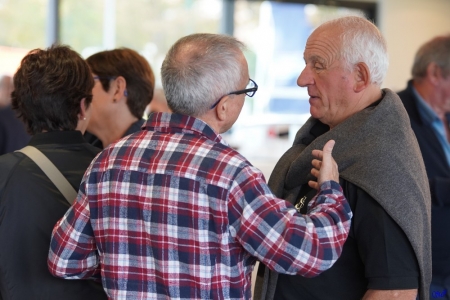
<point>406,24</point>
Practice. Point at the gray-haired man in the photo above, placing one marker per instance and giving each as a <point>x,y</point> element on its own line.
<point>173,212</point>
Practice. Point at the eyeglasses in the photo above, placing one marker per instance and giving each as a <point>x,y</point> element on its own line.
<point>250,91</point>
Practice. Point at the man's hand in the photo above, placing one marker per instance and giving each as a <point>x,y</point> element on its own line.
<point>325,167</point>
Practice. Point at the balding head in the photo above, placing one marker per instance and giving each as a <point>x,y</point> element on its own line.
<point>199,69</point>
<point>361,41</point>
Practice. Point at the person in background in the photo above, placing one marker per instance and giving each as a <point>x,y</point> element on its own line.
<point>173,212</point>
<point>427,101</point>
<point>6,88</point>
<point>52,95</point>
<point>13,134</point>
<point>124,85</point>
<point>387,253</point>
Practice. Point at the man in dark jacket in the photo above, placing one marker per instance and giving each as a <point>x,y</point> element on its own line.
<point>427,101</point>
<point>52,93</point>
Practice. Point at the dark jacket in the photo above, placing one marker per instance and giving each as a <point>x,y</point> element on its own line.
<point>30,205</point>
<point>438,172</point>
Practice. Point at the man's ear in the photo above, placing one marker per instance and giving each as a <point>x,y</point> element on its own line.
<point>362,77</point>
<point>120,88</point>
<point>434,73</point>
<point>222,108</point>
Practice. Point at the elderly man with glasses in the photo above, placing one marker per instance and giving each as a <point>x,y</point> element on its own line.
<point>174,212</point>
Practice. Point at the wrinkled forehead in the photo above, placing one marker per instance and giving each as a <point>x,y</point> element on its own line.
<point>329,33</point>
<point>324,42</point>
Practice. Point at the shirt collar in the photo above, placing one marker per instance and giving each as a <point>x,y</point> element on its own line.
<point>425,110</point>
<point>57,137</point>
<point>178,123</point>
<point>136,126</point>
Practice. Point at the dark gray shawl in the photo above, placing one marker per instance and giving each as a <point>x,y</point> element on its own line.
<point>377,151</point>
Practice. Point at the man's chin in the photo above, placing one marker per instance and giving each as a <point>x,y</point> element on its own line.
<point>315,114</point>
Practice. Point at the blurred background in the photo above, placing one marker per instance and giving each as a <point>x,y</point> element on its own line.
<point>274,31</point>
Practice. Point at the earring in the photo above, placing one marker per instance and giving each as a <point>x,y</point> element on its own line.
<point>114,100</point>
<point>84,118</point>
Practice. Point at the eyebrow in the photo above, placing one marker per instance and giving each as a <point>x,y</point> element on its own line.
<point>314,58</point>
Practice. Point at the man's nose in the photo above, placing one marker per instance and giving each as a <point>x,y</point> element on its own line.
<point>305,78</point>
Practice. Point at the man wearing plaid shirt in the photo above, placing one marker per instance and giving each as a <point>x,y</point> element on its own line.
<point>173,212</point>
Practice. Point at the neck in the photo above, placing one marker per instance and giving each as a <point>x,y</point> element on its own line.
<point>374,94</point>
<point>362,100</point>
<point>212,122</point>
<point>429,95</point>
<point>112,129</point>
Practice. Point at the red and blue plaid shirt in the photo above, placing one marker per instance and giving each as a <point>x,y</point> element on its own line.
<point>173,212</point>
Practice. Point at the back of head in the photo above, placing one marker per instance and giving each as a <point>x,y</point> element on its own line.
<point>134,68</point>
<point>199,69</point>
<point>362,42</point>
<point>437,51</point>
<point>48,88</point>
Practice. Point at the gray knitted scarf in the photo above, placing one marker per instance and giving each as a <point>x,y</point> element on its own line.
<point>377,151</point>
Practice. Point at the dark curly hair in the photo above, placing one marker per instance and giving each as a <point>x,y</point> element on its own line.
<point>48,88</point>
<point>134,68</point>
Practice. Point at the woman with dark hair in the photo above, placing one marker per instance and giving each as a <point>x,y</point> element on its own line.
<point>124,86</point>
<point>52,94</point>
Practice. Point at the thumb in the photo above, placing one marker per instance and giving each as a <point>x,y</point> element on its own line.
<point>328,148</point>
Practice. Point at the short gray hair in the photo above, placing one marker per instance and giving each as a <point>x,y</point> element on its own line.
<point>361,41</point>
<point>199,69</point>
<point>436,50</point>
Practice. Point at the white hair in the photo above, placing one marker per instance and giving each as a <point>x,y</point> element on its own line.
<point>362,42</point>
<point>199,69</point>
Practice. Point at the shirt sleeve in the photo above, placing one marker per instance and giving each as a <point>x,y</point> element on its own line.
<point>274,232</point>
<point>73,252</point>
<point>388,258</point>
